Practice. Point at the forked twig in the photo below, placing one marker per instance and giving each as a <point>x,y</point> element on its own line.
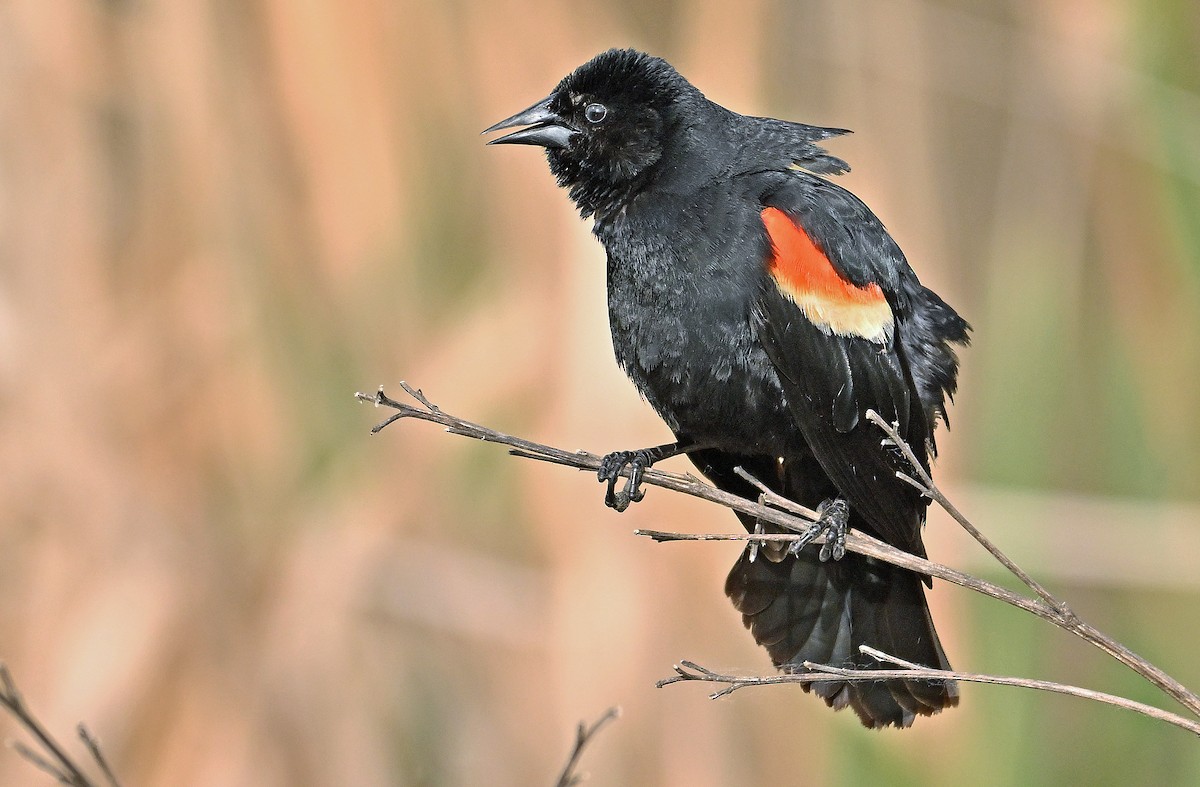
<point>52,758</point>
<point>690,671</point>
<point>1066,619</point>
<point>581,460</point>
<point>583,735</point>
<point>796,522</point>
<point>770,497</point>
<point>924,483</point>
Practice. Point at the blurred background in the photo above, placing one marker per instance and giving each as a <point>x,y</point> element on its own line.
<point>219,219</point>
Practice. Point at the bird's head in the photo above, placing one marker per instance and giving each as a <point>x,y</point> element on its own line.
<point>605,126</point>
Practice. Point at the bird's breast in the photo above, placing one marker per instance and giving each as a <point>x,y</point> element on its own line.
<point>680,314</point>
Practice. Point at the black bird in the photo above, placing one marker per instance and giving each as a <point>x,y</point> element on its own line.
<point>762,310</point>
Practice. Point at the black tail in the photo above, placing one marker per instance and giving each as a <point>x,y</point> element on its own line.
<point>801,609</point>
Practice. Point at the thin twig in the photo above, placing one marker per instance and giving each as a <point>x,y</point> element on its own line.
<point>768,496</point>
<point>1066,619</point>
<point>690,671</point>
<point>583,734</point>
<point>58,764</point>
<point>873,547</point>
<point>93,746</point>
<point>41,763</point>
<point>580,460</point>
<point>929,488</point>
<point>770,510</point>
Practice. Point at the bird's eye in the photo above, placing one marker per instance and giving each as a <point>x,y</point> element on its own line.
<point>595,113</point>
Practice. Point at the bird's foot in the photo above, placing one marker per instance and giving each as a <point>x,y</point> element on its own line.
<point>833,522</point>
<point>610,470</point>
<point>835,519</point>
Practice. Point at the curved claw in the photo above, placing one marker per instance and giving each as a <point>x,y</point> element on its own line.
<point>610,470</point>
<point>834,522</point>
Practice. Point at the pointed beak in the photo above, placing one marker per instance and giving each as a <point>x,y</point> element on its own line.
<point>545,128</point>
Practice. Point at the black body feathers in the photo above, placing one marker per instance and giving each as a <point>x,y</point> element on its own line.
<point>762,310</point>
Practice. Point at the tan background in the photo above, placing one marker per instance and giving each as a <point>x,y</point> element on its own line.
<point>220,219</point>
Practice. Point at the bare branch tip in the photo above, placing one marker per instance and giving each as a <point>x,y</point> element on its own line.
<point>379,427</point>
<point>745,476</point>
<point>875,653</point>
<point>10,692</point>
<point>919,486</point>
<point>419,395</point>
<point>40,762</point>
<point>583,735</point>
<point>698,670</point>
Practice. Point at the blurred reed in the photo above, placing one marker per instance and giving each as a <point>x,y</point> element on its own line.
<point>220,219</point>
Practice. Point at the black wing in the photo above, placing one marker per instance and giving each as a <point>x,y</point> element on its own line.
<point>841,352</point>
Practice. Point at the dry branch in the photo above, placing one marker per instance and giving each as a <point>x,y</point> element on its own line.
<point>770,508</point>
<point>52,758</point>
<point>690,671</point>
<point>583,735</point>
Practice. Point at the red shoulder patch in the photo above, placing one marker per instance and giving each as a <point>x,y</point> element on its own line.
<point>805,274</point>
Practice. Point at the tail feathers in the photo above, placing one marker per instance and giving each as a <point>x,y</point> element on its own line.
<point>801,610</point>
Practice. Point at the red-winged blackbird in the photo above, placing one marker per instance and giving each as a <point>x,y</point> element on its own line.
<point>762,310</point>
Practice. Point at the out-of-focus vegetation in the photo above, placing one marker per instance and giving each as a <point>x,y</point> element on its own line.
<point>219,219</point>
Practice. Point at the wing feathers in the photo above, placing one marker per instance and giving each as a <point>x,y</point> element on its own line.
<point>804,273</point>
<point>830,382</point>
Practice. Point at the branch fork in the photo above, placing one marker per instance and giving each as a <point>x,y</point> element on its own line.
<point>798,522</point>
<point>49,756</point>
